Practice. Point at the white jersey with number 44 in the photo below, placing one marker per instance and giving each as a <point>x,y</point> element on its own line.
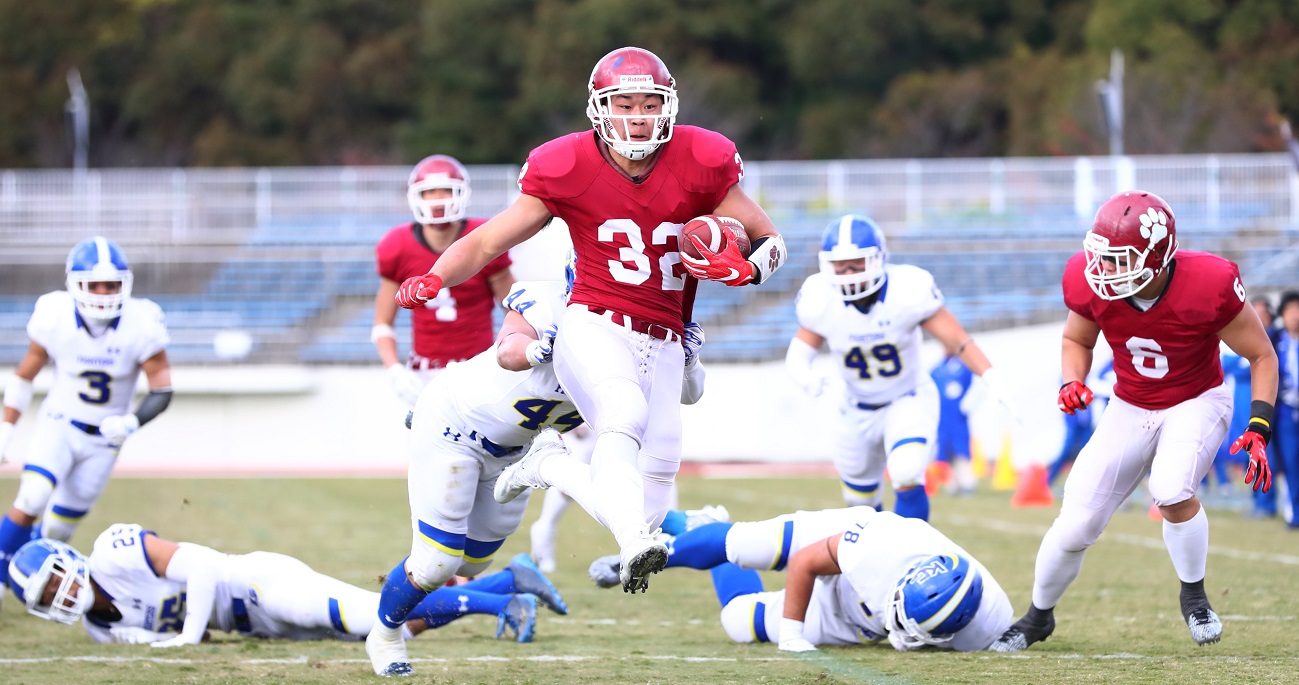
<point>876,352</point>
<point>510,407</point>
<point>95,377</point>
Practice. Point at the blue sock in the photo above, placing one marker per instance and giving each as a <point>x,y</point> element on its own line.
<point>675,522</point>
<point>701,548</point>
<point>398,597</point>
<point>912,504</point>
<point>731,581</point>
<point>446,604</point>
<point>499,583</point>
<point>12,536</point>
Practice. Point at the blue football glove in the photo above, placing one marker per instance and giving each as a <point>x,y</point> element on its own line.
<point>692,341</point>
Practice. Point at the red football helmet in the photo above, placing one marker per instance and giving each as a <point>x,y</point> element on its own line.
<point>438,172</point>
<point>1133,237</point>
<point>622,72</point>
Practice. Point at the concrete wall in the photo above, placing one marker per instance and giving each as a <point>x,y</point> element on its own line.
<point>345,420</point>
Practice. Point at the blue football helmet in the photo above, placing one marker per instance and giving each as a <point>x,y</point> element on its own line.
<point>936,598</point>
<point>854,237</point>
<point>38,562</point>
<point>98,260</point>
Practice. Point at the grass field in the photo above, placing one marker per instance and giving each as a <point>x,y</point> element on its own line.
<point>1118,624</point>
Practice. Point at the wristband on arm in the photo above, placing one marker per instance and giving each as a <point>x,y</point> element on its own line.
<point>1260,419</point>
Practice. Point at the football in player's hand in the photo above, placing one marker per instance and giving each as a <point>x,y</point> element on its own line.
<point>714,232</point>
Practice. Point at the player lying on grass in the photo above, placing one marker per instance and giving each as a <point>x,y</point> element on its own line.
<point>138,588</point>
<point>853,576</point>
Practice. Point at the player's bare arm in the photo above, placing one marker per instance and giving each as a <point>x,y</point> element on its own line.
<point>159,552</point>
<point>158,370</point>
<point>513,342</point>
<point>500,283</point>
<point>1076,346</point>
<point>1245,336</point>
<point>18,393</point>
<point>949,331</point>
<point>817,559</point>
<point>468,255</point>
<point>385,313</point>
<point>738,205</point>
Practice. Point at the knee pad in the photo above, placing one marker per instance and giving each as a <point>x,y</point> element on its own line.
<point>659,477</point>
<point>862,494</point>
<point>907,462</point>
<point>435,557</point>
<point>761,545</point>
<point>478,556</point>
<point>60,522</point>
<point>745,619</point>
<point>34,491</point>
<point>1075,532</point>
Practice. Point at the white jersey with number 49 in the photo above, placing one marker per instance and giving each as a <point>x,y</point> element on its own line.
<point>877,352</point>
<point>95,377</point>
<point>510,407</point>
<point>878,548</point>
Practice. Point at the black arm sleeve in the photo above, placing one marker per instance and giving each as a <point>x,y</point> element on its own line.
<point>152,405</point>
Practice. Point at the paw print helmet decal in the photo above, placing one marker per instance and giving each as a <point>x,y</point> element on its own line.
<point>1133,238</point>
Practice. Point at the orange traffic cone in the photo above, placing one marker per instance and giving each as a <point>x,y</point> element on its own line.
<point>1033,490</point>
<point>978,459</point>
<point>1154,513</point>
<point>937,474</point>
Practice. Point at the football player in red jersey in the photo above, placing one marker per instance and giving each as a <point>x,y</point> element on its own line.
<point>454,323</point>
<point>1163,313</point>
<point>625,190</point>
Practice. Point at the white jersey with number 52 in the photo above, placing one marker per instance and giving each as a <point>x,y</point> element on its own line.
<point>877,352</point>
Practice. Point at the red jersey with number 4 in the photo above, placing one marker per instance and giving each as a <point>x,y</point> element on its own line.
<point>1169,353</point>
<point>625,233</point>
<point>457,324</point>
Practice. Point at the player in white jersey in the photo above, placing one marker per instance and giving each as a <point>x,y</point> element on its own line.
<point>100,339</point>
<point>137,588</point>
<point>870,313</point>
<point>469,423</point>
<point>854,576</point>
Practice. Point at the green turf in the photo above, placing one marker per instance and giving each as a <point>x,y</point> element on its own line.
<point>1119,623</point>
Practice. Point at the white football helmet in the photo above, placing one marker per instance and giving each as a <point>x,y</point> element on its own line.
<point>98,260</point>
<point>35,564</point>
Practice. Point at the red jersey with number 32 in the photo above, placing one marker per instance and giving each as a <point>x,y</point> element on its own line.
<point>625,233</point>
<point>457,324</point>
<point>1169,353</point>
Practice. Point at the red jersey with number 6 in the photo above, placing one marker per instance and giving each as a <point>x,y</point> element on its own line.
<point>626,233</point>
<point>455,325</point>
<point>1169,353</point>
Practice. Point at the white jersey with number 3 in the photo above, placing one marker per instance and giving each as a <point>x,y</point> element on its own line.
<point>877,352</point>
<point>95,377</point>
<point>510,407</point>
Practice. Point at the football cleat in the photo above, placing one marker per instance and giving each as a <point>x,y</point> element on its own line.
<point>606,571</point>
<point>638,560</point>
<point>529,579</point>
<point>520,616</point>
<point>387,651</point>
<point>1018,637</point>
<point>1205,626</point>
<point>526,472</point>
<point>709,513</point>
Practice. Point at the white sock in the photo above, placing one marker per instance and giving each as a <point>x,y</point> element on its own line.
<point>1056,568</point>
<point>1188,546</point>
<point>616,481</point>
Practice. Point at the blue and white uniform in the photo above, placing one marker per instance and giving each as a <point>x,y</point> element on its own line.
<point>471,422</point>
<point>889,400</point>
<point>876,550</point>
<point>261,594</point>
<point>95,377</point>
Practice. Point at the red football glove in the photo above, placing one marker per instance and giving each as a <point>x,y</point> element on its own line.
<point>1074,396</point>
<point>1259,472</point>
<point>417,290</point>
<point>728,266</point>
